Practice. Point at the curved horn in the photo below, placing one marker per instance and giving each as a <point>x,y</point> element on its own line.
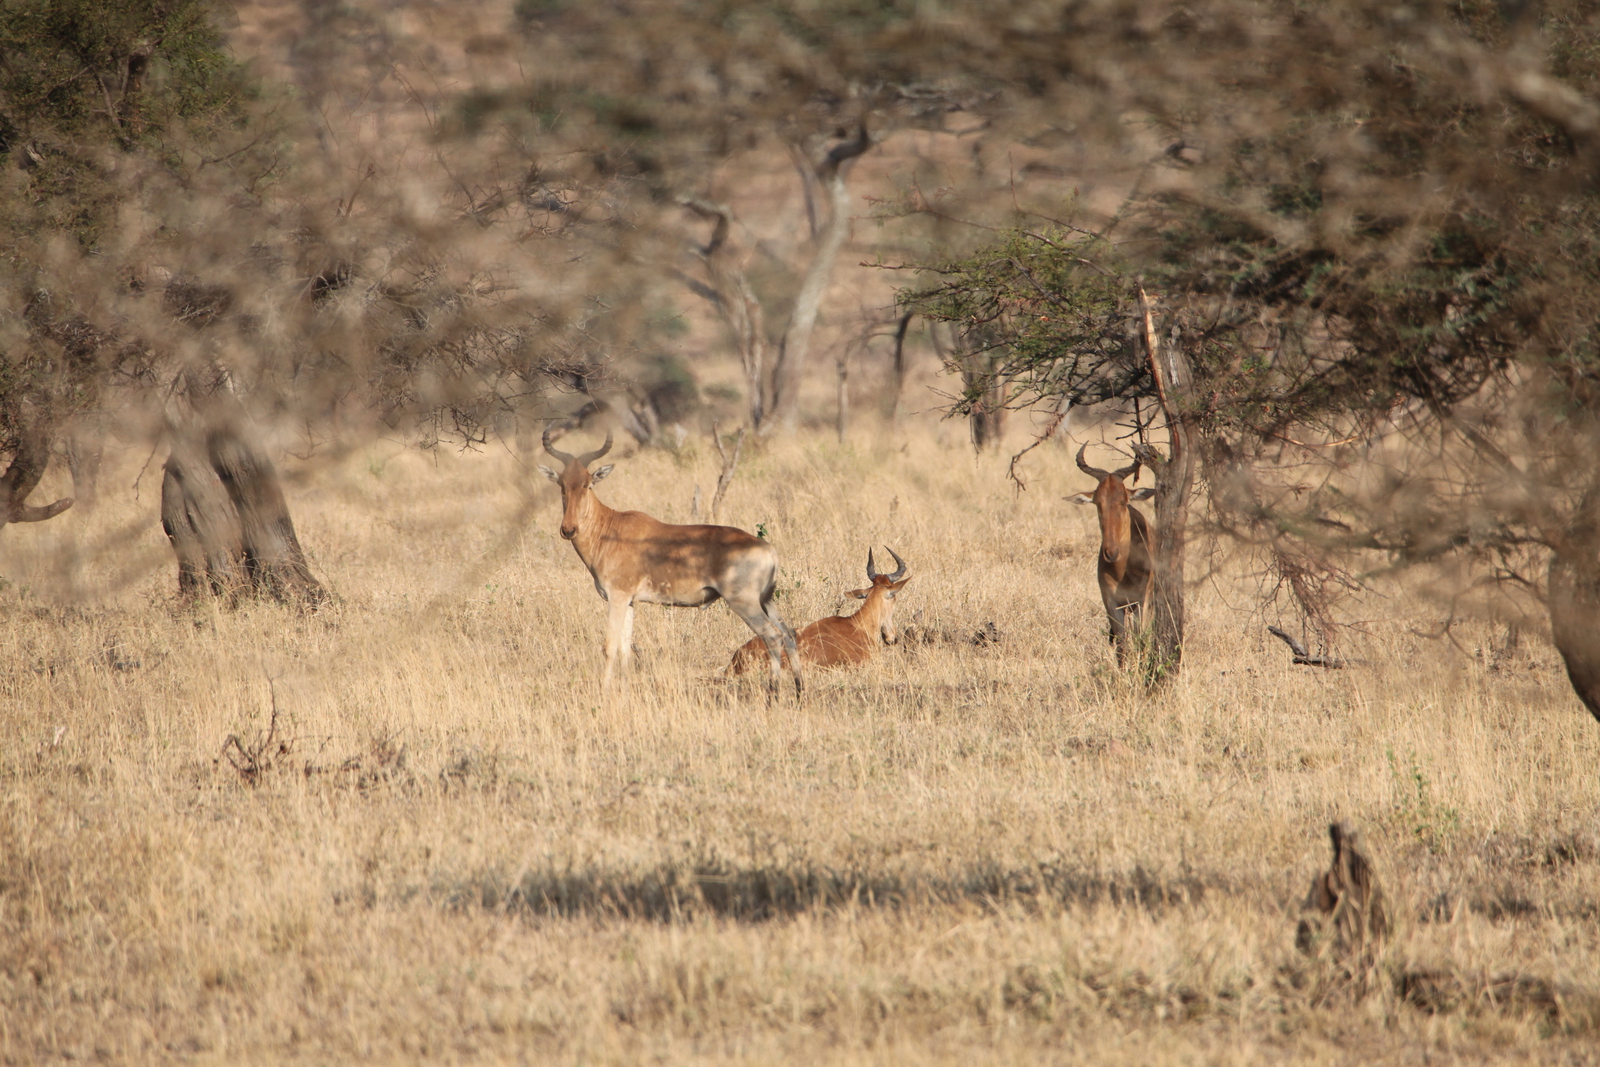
<point>872,572</point>
<point>589,457</point>
<point>1094,472</point>
<point>901,571</point>
<point>1099,475</point>
<point>556,452</point>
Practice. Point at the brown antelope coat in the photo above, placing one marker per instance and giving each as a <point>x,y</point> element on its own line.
<point>1124,567</point>
<point>836,641</point>
<point>636,559</point>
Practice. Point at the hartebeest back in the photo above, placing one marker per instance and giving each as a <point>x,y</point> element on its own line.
<point>1124,567</point>
<point>637,559</point>
<point>836,641</point>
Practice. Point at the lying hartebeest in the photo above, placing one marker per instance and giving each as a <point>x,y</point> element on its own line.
<point>637,559</point>
<point>1125,566</point>
<point>836,641</point>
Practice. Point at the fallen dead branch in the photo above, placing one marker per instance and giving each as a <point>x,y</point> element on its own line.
<point>1303,656</point>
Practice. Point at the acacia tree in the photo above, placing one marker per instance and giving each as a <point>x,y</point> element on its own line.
<point>185,257</point>
<point>90,93</point>
<point>1374,232</point>
<point>1056,317</point>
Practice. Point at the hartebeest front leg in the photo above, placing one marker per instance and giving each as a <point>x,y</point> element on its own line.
<point>619,635</point>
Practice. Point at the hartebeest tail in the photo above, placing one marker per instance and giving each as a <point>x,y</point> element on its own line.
<point>1124,568</point>
<point>835,641</point>
<point>634,558</point>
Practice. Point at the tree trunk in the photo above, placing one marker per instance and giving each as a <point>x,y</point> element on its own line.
<point>202,525</point>
<point>1174,474</point>
<point>273,559</point>
<point>737,304</point>
<point>988,419</point>
<point>843,422</point>
<point>224,511</point>
<point>22,476</point>
<point>789,371</point>
<point>84,455</point>
<point>1573,597</point>
<point>899,366</point>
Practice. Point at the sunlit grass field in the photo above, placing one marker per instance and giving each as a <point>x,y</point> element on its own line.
<point>432,837</point>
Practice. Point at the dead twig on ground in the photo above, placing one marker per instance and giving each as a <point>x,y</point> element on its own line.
<point>1303,656</point>
<point>255,759</point>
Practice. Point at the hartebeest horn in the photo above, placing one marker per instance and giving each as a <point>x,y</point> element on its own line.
<point>1099,475</point>
<point>554,451</point>
<point>872,571</point>
<point>585,459</point>
<point>589,457</point>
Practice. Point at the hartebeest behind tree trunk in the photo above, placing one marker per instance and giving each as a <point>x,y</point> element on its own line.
<point>1123,568</point>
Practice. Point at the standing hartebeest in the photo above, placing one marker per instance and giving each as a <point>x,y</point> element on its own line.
<point>1125,568</point>
<point>637,559</point>
<point>836,641</point>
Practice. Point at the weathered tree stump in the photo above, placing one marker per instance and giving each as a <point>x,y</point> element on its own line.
<point>224,511</point>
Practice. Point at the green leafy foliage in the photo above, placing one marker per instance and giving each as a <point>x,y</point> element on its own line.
<point>85,80</point>
<point>1046,311</point>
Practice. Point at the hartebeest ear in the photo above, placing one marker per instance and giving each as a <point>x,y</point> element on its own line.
<point>859,594</point>
<point>1143,494</point>
<point>1080,498</point>
<point>897,586</point>
<point>601,473</point>
<point>548,473</point>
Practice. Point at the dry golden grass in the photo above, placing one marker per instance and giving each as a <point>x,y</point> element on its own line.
<point>459,850</point>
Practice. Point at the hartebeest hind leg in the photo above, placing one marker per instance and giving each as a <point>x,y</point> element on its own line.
<point>789,645</point>
<point>778,638</point>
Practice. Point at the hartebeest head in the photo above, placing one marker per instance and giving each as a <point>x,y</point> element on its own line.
<point>889,584</point>
<point>844,640</point>
<point>575,481</point>
<point>1111,498</point>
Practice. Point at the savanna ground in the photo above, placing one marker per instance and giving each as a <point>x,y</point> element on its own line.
<point>455,848</point>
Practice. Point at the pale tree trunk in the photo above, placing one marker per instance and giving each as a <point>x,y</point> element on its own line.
<point>842,424</point>
<point>85,452</point>
<point>224,511</point>
<point>986,414</point>
<point>22,476</point>
<point>737,304</point>
<point>788,373</point>
<point>1174,475</point>
<point>988,418</point>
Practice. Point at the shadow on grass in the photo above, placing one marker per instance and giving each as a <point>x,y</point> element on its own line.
<point>669,893</point>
